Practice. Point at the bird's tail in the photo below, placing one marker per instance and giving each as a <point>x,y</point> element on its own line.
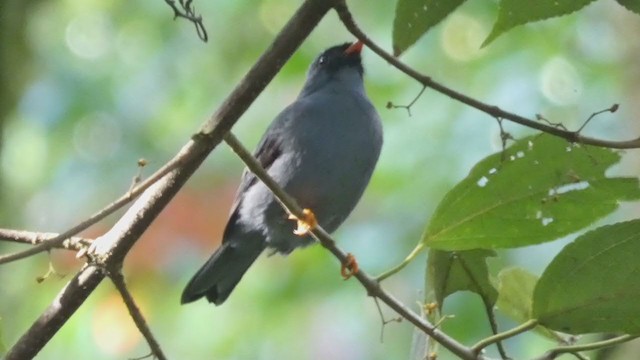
<point>222,272</point>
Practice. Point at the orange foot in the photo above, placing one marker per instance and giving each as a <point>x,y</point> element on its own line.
<point>307,223</point>
<point>350,267</point>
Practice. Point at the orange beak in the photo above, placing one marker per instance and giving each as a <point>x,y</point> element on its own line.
<point>354,48</point>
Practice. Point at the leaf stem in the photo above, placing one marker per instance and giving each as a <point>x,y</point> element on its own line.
<point>554,353</point>
<point>404,262</point>
<point>527,325</point>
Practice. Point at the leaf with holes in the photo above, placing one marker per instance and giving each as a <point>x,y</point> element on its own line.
<point>537,190</point>
<point>631,5</point>
<point>512,13</point>
<point>449,272</point>
<point>592,284</point>
<point>415,17</point>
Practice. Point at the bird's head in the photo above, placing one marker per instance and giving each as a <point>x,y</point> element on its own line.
<point>340,65</point>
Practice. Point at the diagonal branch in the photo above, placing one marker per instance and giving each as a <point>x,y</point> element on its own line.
<point>370,284</point>
<point>492,110</point>
<point>139,217</point>
<point>118,280</point>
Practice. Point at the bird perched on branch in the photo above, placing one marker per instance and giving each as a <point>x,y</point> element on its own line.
<point>321,149</point>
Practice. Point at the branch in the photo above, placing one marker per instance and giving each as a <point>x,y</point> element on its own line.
<point>554,353</point>
<point>106,211</point>
<point>134,311</point>
<point>52,319</point>
<point>128,230</point>
<point>34,238</point>
<point>492,110</point>
<point>370,284</point>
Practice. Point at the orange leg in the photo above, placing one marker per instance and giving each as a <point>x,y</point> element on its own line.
<point>350,267</point>
<point>307,223</point>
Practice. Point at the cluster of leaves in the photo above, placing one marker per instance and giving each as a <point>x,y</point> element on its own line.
<point>538,190</point>
<point>414,18</point>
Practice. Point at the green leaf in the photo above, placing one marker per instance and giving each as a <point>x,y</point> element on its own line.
<point>415,17</point>
<point>512,13</point>
<point>592,285</point>
<point>631,5</point>
<point>449,272</point>
<point>515,293</point>
<point>544,188</point>
<point>3,348</point>
<point>515,297</point>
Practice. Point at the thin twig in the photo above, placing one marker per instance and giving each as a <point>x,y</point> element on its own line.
<point>407,107</point>
<point>573,349</point>
<point>149,355</point>
<point>492,110</point>
<point>188,13</point>
<point>579,356</point>
<point>60,309</point>
<point>118,280</point>
<point>540,117</point>
<point>384,321</point>
<point>74,243</point>
<point>106,211</point>
<point>611,109</point>
<point>50,271</point>
<point>504,136</point>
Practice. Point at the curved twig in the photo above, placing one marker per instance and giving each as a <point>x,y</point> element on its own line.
<point>492,110</point>
<point>525,326</point>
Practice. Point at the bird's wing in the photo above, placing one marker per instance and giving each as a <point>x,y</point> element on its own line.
<point>269,149</point>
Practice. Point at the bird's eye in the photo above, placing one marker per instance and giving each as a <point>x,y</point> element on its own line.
<point>322,60</point>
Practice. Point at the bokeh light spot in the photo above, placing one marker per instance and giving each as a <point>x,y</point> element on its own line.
<point>96,136</point>
<point>136,42</point>
<point>25,154</point>
<point>89,35</point>
<point>275,13</point>
<point>113,329</point>
<point>462,36</point>
<point>560,82</point>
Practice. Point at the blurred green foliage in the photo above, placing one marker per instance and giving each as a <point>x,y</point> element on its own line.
<point>109,82</point>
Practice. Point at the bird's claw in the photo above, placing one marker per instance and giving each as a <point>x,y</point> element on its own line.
<point>350,267</point>
<point>306,223</point>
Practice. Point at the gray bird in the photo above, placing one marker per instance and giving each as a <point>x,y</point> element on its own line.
<point>321,149</point>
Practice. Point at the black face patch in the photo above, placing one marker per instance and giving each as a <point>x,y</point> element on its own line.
<point>334,59</point>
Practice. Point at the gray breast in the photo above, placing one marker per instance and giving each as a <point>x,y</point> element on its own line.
<point>330,148</point>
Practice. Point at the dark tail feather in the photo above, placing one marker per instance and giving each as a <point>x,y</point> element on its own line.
<point>222,272</point>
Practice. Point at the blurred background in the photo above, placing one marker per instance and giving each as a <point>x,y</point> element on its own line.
<point>89,87</point>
